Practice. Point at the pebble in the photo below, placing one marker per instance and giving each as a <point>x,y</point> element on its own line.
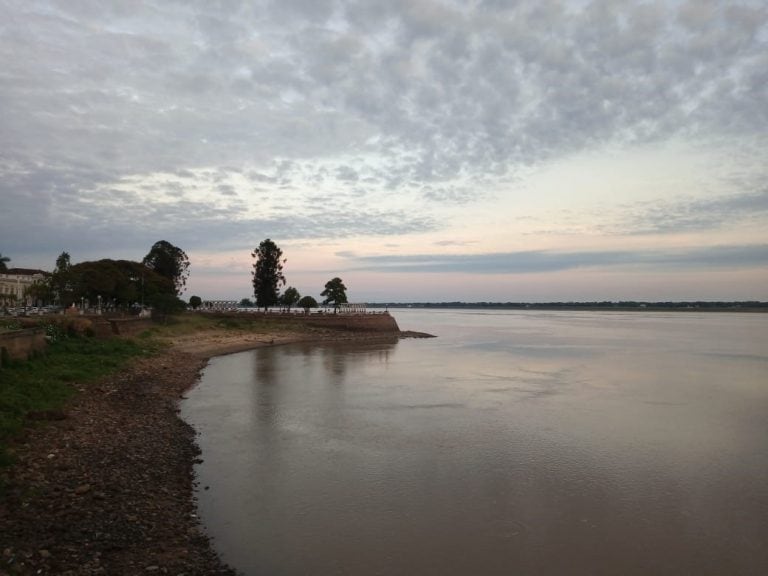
<point>83,489</point>
<point>132,454</point>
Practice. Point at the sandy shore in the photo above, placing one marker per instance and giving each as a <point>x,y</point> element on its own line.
<point>106,485</point>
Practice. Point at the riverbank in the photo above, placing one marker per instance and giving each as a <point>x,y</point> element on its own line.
<point>105,485</point>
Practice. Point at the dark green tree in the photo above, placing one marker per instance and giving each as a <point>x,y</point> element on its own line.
<point>61,280</point>
<point>169,261</point>
<point>307,302</point>
<point>118,282</point>
<point>3,261</point>
<point>246,303</point>
<point>335,293</point>
<point>165,305</point>
<point>195,302</point>
<point>290,297</point>
<point>40,291</point>
<point>267,273</point>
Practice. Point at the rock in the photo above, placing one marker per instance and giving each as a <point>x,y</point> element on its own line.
<point>125,460</point>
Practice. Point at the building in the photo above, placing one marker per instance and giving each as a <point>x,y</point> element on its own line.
<point>14,283</point>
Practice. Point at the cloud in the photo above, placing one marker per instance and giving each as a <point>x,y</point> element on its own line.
<point>309,119</point>
<point>170,84</point>
<point>526,262</point>
<point>693,214</point>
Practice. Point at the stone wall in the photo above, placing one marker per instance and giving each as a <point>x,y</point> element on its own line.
<point>380,322</point>
<point>370,322</point>
<point>22,344</point>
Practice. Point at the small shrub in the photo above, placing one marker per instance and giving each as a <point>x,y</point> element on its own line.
<point>54,332</point>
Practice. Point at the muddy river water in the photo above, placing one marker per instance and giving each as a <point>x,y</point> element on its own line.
<point>514,443</point>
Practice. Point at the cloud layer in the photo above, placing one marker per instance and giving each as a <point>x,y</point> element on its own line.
<point>556,261</point>
<point>216,125</point>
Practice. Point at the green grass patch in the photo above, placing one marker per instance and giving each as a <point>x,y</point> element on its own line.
<point>45,382</point>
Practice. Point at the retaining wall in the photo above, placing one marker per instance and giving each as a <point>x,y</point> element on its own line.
<point>371,322</point>
<point>22,344</point>
<point>355,322</point>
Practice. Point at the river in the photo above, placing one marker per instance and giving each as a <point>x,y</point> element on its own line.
<point>517,442</point>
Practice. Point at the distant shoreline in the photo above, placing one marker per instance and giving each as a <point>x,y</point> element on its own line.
<point>586,306</point>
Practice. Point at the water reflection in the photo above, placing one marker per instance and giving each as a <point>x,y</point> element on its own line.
<point>523,444</point>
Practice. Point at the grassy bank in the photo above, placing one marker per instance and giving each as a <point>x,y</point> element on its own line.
<point>40,387</point>
<point>198,323</point>
<point>42,384</point>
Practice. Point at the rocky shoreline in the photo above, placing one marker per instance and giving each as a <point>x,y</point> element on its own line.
<point>106,486</point>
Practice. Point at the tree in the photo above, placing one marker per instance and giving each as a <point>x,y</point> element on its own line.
<point>3,261</point>
<point>267,273</point>
<point>62,280</point>
<point>164,305</point>
<point>290,297</point>
<point>169,261</point>
<point>40,291</point>
<point>335,293</point>
<point>120,282</point>
<point>246,303</point>
<point>307,302</point>
<point>195,302</point>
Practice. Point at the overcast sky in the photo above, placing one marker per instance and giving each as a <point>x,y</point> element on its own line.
<point>420,149</point>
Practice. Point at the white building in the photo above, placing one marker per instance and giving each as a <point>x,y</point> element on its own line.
<point>14,283</point>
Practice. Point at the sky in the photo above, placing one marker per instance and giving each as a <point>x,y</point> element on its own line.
<point>421,150</point>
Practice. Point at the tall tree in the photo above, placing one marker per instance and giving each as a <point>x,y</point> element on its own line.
<point>169,261</point>
<point>267,273</point>
<point>3,261</point>
<point>335,293</point>
<point>62,280</point>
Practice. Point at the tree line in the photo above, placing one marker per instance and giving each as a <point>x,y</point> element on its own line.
<point>161,277</point>
<point>267,278</point>
<point>157,281</point>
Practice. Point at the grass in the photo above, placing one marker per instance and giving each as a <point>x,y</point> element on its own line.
<point>46,381</point>
<point>194,323</point>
